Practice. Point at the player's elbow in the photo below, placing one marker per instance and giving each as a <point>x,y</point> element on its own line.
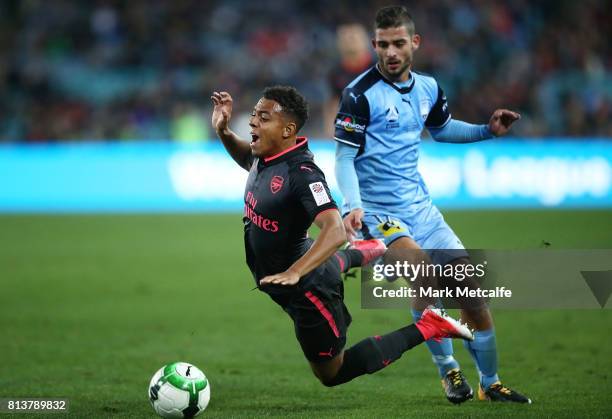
<point>332,228</point>
<point>338,234</point>
<point>335,235</point>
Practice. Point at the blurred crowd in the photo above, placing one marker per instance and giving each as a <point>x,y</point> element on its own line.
<point>144,69</point>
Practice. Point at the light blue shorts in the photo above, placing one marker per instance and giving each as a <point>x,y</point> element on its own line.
<point>426,227</point>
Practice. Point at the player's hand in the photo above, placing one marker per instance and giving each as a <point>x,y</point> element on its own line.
<point>501,121</point>
<point>222,111</point>
<point>288,277</point>
<point>352,224</point>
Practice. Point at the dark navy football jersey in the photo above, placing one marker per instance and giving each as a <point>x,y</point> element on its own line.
<point>283,195</point>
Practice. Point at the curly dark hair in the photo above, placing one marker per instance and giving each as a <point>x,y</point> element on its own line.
<point>291,101</point>
<point>392,17</point>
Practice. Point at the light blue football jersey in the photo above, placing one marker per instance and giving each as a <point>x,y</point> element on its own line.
<point>385,122</point>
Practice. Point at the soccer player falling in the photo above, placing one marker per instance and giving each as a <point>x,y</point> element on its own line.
<point>378,131</point>
<point>285,193</point>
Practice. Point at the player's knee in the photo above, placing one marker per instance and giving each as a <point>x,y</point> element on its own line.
<point>333,380</point>
<point>328,372</point>
<point>463,260</point>
<point>328,379</point>
<point>413,256</point>
<point>478,316</point>
<point>328,382</point>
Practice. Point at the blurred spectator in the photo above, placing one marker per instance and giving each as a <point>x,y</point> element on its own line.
<point>355,55</point>
<point>144,69</point>
<point>188,124</point>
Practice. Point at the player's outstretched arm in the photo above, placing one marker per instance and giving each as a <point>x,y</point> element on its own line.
<point>349,186</point>
<point>222,113</point>
<point>461,132</point>
<point>331,236</point>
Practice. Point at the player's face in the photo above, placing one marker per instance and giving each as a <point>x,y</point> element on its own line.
<point>395,48</point>
<point>268,128</point>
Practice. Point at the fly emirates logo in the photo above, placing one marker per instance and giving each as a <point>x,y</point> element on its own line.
<point>260,221</point>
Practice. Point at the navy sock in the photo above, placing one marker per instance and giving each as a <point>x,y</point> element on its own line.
<point>375,353</point>
<point>348,259</point>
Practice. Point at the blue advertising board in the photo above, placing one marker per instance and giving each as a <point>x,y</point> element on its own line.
<point>159,177</point>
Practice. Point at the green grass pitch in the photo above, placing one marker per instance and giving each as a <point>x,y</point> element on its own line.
<point>91,306</point>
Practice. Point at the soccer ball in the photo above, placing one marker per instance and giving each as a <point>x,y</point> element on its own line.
<point>179,390</point>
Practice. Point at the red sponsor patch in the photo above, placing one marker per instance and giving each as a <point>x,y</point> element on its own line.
<point>276,184</point>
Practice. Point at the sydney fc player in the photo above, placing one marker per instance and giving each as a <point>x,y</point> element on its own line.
<point>378,129</point>
<point>285,193</point>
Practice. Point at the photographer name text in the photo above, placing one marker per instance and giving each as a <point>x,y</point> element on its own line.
<point>430,292</point>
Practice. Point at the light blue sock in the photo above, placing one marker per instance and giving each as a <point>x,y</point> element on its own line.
<point>484,353</point>
<point>442,352</point>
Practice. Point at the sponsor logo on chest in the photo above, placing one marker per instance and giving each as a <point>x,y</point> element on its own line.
<point>392,117</point>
